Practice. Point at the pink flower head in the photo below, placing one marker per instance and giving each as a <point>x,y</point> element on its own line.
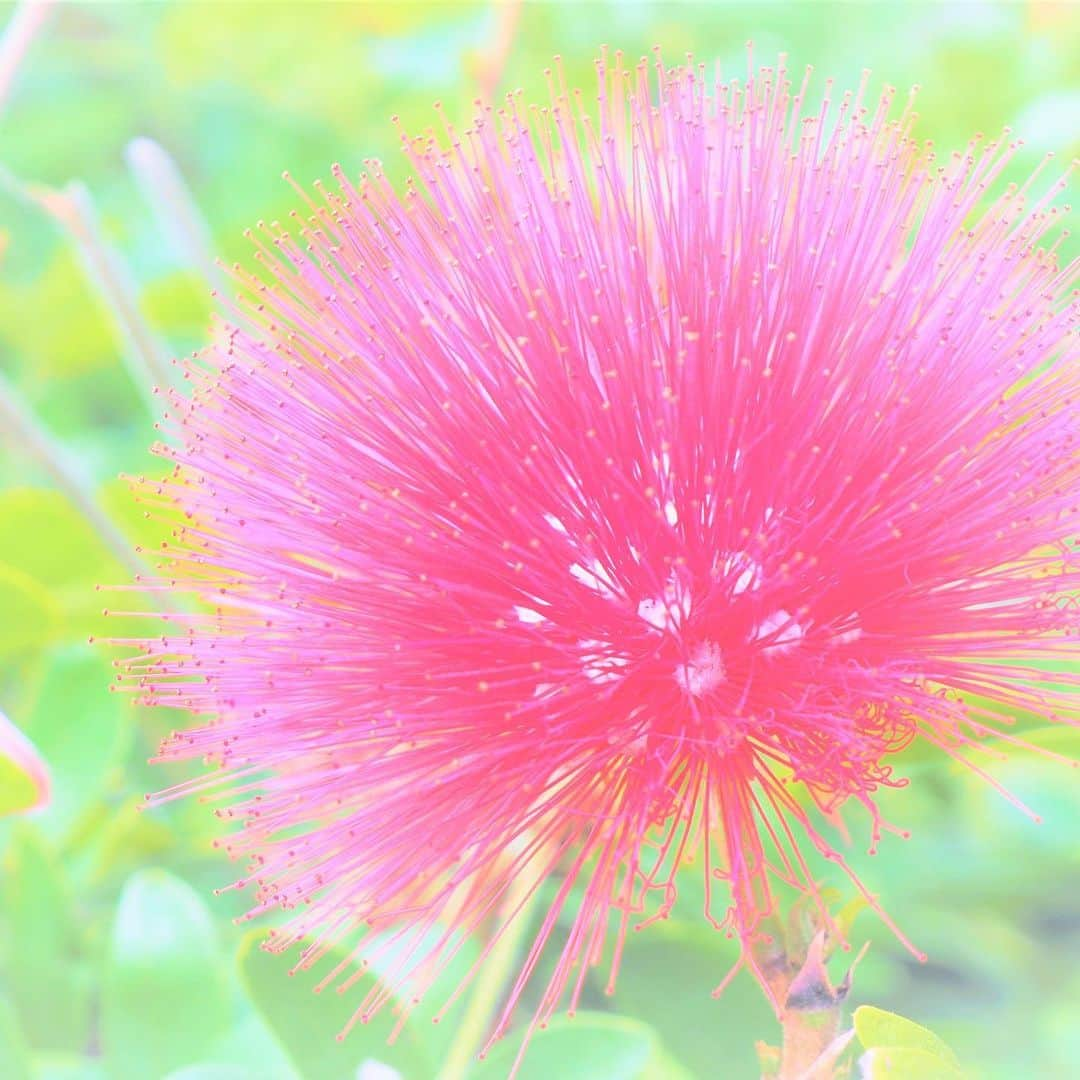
<point>627,489</point>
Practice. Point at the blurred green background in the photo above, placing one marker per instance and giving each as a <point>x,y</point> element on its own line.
<point>116,959</point>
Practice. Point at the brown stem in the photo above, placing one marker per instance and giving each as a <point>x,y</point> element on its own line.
<point>807,1036</point>
<point>812,1025</point>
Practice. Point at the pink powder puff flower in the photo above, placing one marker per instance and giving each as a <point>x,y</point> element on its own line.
<point>628,488</point>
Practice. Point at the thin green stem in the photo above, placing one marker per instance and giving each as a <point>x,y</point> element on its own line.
<point>148,361</point>
<point>491,980</point>
<point>73,209</point>
<point>24,429</point>
<point>175,210</point>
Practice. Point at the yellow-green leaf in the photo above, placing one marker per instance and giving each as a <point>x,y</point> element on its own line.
<point>906,1063</point>
<point>29,617</point>
<point>878,1028</point>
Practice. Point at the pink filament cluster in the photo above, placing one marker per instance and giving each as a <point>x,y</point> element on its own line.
<point>623,492</point>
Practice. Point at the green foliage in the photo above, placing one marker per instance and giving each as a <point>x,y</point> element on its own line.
<point>17,788</point>
<point>590,1046</point>
<point>906,1063</point>
<point>32,618</point>
<point>307,1024</point>
<point>44,946</point>
<point>305,1017</point>
<point>83,733</point>
<point>215,1072</point>
<point>51,561</point>
<point>80,341</point>
<point>165,993</point>
<point>14,1052</point>
<point>115,960</point>
<point>660,964</point>
<point>899,1049</point>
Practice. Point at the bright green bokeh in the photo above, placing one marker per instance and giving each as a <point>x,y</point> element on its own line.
<point>116,960</point>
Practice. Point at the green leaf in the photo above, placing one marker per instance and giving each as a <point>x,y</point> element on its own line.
<point>81,341</point>
<point>31,617</point>
<point>216,1072</point>
<point>24,779</point>
<point>878,1028</point>
<point>54,560</point>
<point>68,1067</point>
<point>122,838</point>
<point>18,791</point>
<point>165,994</point>
<point>249,1044</point>
<point>662,1066</point>
<point>589,1046</point>
<point>1063,739</point>
<point>45,537</point>
<point>665,979</point>
<point>82,730</point>
<point>846,916</point>
<point>307,1024</point>
<point>436,1037</point>
<point>178,303</point>
<point>906,1063</point>
<point>148,526</point>
<point>14,1053</point>
<point>48,981</point>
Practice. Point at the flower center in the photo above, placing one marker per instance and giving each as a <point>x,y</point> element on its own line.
<point>703,671</point>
